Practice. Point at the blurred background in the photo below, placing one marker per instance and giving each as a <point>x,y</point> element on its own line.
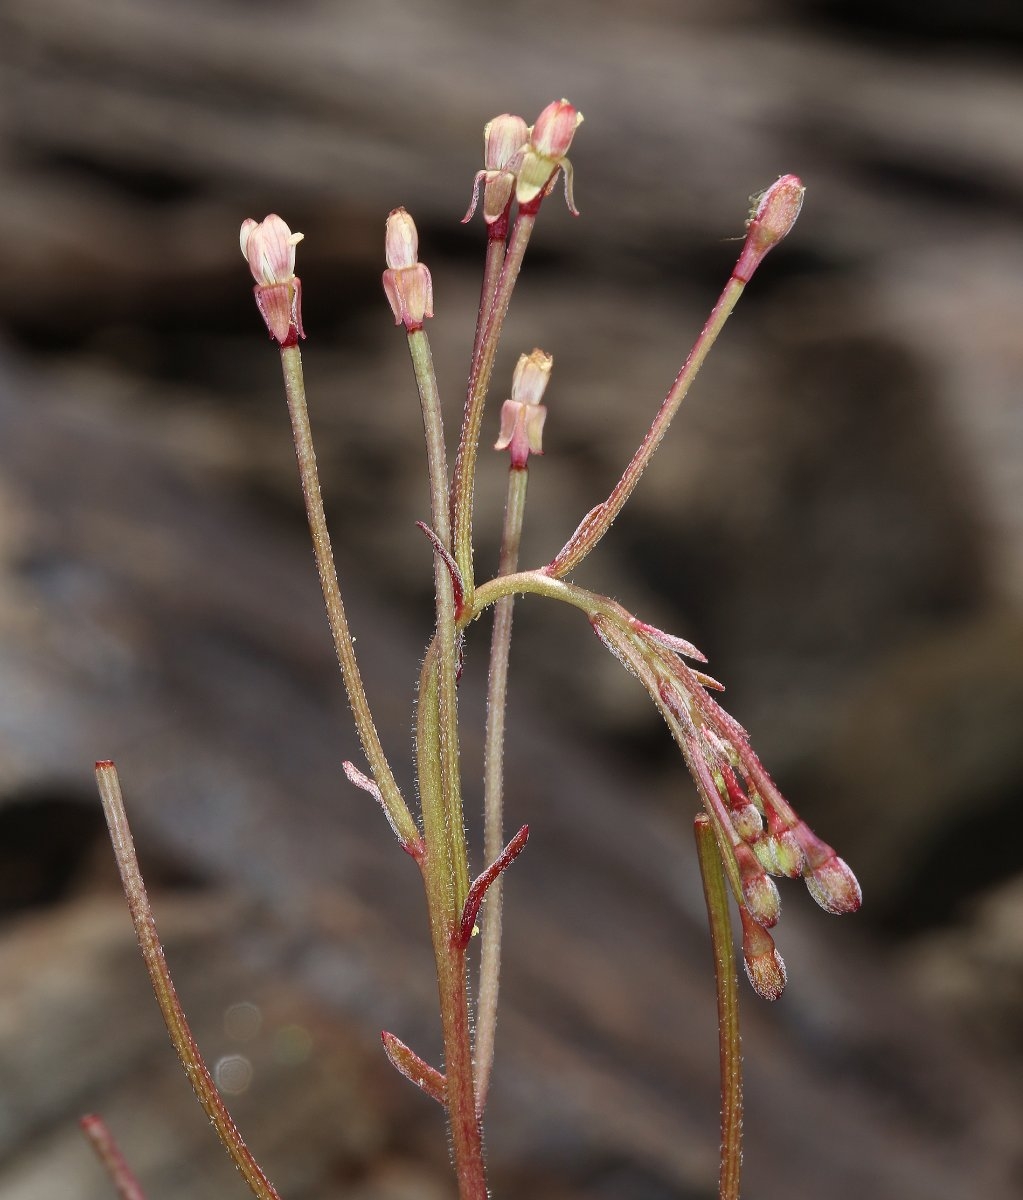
<point>834,519</point>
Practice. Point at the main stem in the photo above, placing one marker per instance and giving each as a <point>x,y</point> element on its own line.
<point>294,386</point>
<point>445,865</point>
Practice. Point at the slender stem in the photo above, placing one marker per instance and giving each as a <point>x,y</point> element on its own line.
<point>401,818</point>
<point>109,1154</point>
<point>163,986</point>
<point>463,481</point>
<point>715,893</point>
<point>496,247</point>
<point>433,426</point>
<point>493,786</point>
<point>598,520</point>
<point>443,656</point>
<point>539,583</point>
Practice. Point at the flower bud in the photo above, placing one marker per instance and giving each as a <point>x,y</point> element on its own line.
<point>772,218</point>
<point>504,140</point>
<point>764,966</point>
<point>748,823</point>
<point>759,892</point>
<point>407,282</point>
<point>828,878</point>
<point>549,140</point>
<point>523,416</point>
<point>269,248</point>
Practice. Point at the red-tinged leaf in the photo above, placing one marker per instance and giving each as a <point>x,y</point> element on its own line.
<point>409,1064</point>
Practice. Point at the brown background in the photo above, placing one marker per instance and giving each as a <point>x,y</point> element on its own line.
<point>835,519</point>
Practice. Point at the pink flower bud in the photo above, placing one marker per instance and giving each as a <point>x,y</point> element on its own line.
<point>764,966</point>
<point>555,128</point>
<point>828,879</point>
<point>408,284</point>
<point>531,375</point>
<point>523,416</point>
<point>549,140</point>
<point>759,892</point>
<point>401,240</point>
<point>772,218</point>
<point>269,247</point>
<point>748,823</point>
<point>504,140</point>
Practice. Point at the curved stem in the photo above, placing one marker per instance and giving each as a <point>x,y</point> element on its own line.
<point>715,893</point>
<point>598,520</point>
<point>493,786</point>
<point>294,386</point>
<point>163,986</point>
<point>539,583</point>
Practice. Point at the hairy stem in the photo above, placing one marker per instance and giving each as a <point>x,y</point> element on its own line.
<point>493,785</point>
<point>598,520</point>
<point>294,385</point>
<point>163,986</point>
<point>715,893</point>
<point>463,481</point>
<point>445,877</point>
<point>496,248</point>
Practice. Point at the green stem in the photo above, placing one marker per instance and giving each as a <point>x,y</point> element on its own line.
<point>294,386</point>
<point>463,481</point>
<point>715,893</point>
<point>444,651</point>
<point>539,583</point>
<point>433,426</point>
<point>493,786</point>
<point>163,986</point>
<point>598,520</point>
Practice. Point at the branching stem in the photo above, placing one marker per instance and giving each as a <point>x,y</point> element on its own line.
<point>294,386</point>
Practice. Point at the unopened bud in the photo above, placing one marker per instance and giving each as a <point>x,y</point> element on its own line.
<point>772,218</point>
<point>780,854</point>
<point>549,140</point>
<point>504,140</point>
<point>269,248</point>
<point>758,890</point>
<point>764,966</point>
<point>407,282</point>
<point>748,823</point>
<point>523,416</point>
<point>828,878</point>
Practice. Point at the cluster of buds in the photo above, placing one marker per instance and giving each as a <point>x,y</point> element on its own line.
<point>407,282</point>
<point>758,832</point>
<point>524,161</point>
<point>522,416</point>
<point>269,247</point>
